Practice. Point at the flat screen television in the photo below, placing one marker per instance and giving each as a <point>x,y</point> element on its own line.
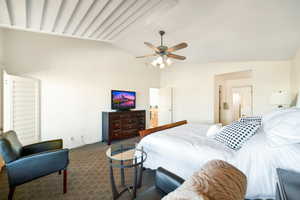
<point>122,100</point>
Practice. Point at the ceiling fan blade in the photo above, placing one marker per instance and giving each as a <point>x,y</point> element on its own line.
<point>152,46</point>
<point>145,56</point>
<point>176,56</point>
<point>177,47</point>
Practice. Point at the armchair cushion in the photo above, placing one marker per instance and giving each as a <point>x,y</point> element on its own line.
<point>6,151</point>
<point>167,181</point>
<point>14,142</point>
<point>42,147</point>
<point>36,165</point>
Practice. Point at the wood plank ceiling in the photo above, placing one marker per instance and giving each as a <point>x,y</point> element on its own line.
<point>102,20</point>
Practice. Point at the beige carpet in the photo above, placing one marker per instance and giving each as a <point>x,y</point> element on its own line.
<point>87,179</point>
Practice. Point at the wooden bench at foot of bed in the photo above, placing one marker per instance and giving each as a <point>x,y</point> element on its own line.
<point>146,132</point>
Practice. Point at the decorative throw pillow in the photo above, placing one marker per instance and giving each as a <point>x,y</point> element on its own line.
<point>236,134</point>
<point>213,130</point>
<point>254,119</point>
<point>216,180</point>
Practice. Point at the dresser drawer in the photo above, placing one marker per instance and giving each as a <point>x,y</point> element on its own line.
<point>130,132</point>
<point>115,124</point>
<point>129,121</point>
<point>116,134</point>
<point>114,117</point>
<point>121,125</point>
<point>129,126</point>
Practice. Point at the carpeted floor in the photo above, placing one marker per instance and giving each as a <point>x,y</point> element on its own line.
<point>87,179</point>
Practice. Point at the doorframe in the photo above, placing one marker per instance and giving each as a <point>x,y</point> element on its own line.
<point>251,87</point>
<point>218,80</point>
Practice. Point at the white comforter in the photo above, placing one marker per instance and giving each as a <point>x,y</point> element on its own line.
<point>184,149</point>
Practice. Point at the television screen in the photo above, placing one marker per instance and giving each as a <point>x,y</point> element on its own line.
<point>122,100</point>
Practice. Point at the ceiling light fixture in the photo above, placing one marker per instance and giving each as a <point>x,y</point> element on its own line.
<point>163,54</point>
<point>161,61</point>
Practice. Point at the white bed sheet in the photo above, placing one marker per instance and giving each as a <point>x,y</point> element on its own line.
<point>184,149</point>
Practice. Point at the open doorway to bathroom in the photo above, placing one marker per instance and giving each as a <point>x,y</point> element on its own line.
<point>154,101</point>
<point>233,96</point>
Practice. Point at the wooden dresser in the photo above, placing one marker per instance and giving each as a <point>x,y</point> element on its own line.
<point>121,125</point>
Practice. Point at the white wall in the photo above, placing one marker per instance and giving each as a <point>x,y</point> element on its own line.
<point>194,86</point>
<point>295,74</point>
<point>76,79</point>
<point>1,65</point>
<point>1,47</point>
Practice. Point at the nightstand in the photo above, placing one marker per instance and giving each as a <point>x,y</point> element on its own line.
<point>288,185</point>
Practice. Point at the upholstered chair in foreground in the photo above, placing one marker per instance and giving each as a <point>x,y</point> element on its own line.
<point>26,163</point>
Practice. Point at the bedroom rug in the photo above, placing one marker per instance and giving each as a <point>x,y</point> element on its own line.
<point>87,179</point>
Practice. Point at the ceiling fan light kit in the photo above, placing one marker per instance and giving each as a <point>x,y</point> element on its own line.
<point>161,61</point>
<point>164,53</point>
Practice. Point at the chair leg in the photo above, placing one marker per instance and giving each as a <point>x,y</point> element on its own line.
<point>59,172</point>
<point>65,181</point>
<point>11,193</point>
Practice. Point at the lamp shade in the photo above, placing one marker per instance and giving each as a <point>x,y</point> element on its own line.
<point>280,98</point>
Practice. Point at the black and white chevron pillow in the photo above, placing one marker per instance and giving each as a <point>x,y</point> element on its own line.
<point>254,119</point>
<point>236,134</point>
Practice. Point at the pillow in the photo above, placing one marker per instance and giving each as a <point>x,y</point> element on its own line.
<point>285,131</point>
<point>14,142</point>
<point>217,179</point>
<point>236,134</point>
<point>298,100</point>
<point>255,119</point>
<point>271,118</point>
<point>213,130</point>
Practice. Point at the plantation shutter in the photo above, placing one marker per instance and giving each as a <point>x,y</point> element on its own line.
<point>22,108</point>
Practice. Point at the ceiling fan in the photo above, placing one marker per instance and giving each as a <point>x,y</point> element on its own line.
<point>164,53</point>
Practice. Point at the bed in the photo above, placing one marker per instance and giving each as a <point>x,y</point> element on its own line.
<point>184,149</point>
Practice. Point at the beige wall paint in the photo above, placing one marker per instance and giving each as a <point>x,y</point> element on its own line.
<point>223,80</point>
<point>76,79</point>
<point>295,75</point>
<point>1,66</point>
<point>227,85</point>
<point>1,47</point>
<point>1,74</point>
<point>77,75</point>
<point>194,86</point>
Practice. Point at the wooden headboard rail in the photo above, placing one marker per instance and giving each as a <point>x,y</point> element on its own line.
<point>146,132</point>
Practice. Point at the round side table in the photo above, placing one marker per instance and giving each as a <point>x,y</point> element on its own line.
<point>126,156</point>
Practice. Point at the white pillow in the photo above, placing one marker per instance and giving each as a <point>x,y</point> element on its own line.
<point>213,130</point>
<point>269,120</point>
<point>298,100</point>
<point>285,129</point>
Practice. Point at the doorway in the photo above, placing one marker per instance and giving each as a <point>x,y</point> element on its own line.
<point>161,106</point>
<point>154,101</point>
<point>233,96</point>
<point>242,102</point>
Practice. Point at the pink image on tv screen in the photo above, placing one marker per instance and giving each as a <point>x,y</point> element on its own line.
<point>123,99</point>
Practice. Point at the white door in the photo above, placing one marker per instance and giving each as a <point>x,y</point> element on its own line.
<point>21,107</point>
<point>165,108</point>
<point>242,102</point>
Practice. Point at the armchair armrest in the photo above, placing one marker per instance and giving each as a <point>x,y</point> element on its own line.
<point>37,165</point>
<point>41,147</point>
<point>167,181</point>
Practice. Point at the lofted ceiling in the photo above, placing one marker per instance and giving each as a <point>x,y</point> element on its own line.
<point>216,30</point>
